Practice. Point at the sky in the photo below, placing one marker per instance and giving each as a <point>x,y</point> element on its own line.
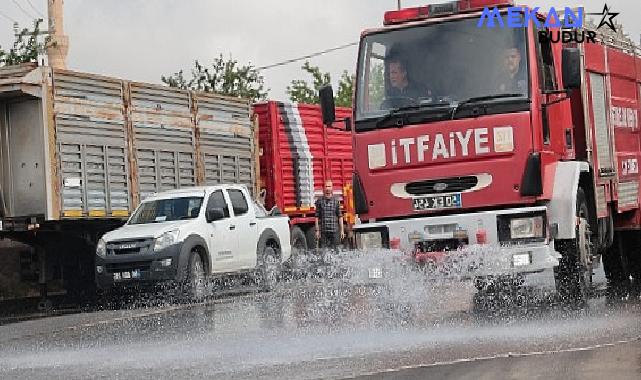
<point>145,39</point>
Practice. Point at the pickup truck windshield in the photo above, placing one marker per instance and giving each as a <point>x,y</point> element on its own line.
<point>429,69</point>
<point>166,210</point>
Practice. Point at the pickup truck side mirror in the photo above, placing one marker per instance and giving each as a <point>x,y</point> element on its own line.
<point>326,96</point>
<point>214,214</point>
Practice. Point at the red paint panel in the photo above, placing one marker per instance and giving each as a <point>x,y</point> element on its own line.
<point>595,57</point>
<point>621,64</point>
<point>506,168</point>
<point>622,112</point>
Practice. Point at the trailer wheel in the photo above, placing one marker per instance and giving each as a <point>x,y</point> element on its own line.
<point>573,276</point>
<point>299,241</point>
<point>298,258</point>
<point>310,234</point>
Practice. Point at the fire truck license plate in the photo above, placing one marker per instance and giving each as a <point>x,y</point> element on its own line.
<point>437,202</point>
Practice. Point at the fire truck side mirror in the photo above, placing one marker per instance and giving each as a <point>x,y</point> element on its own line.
<point>348,124</point>
<point>571,67</point>
<point>326,95</point>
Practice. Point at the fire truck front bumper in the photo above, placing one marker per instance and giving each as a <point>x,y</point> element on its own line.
<point>492,261</point>
<point>483,244</point>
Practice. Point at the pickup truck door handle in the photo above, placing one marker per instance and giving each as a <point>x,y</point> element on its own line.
<point>232,227</point>
<point>252,223</point>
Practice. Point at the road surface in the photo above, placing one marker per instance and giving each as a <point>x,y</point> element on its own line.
<point>323,329</point>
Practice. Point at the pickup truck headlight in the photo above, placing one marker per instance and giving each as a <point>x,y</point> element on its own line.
<point>165,240</point>
<point>101,248</point>
<point>526,228</point>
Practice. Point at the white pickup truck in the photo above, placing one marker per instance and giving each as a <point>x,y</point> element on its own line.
<point>189,235</point>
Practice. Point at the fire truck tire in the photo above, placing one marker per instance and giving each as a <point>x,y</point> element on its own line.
<point>498,295</point>
<point>310,234</point>
<point>616,268</point>
<point>633,257</point>
<point>614,260</point>
<point>572,276</point>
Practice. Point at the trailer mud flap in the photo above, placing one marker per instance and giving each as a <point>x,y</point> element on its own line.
<point>532,184</point>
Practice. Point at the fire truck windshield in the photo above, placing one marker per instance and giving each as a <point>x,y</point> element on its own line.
<point>426,68</point>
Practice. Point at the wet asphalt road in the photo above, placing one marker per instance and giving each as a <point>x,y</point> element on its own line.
<point>329,329</point>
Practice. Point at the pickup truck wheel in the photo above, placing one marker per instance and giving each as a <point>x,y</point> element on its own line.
<point>269,269</point>
<point>573,276</point>
<point>195,283</point>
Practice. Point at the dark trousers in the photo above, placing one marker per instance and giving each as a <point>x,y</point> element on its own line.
<point>331,240</point>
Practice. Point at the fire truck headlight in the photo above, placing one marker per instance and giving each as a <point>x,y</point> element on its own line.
<point>369,239</point>
<point>527,228</point>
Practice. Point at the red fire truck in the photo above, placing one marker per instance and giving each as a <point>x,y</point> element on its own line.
<point>468,137</point>
<point>297,155</point>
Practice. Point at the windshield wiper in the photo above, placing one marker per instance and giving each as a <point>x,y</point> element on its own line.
<point>414,107</point>
<point>481,99</point>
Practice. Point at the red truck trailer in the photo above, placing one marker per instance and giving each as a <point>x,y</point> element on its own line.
<point>297,155</point>
<point>518,142</point>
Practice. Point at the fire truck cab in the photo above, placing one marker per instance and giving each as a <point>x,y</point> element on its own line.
<point>501,144</point>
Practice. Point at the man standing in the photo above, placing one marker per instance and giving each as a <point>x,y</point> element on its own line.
<point>329,219</point>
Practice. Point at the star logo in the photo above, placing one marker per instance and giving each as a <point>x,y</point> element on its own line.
<point>606,18</point>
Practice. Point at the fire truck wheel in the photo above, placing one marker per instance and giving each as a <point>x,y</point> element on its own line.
<point>574,273</point>
<point>616,268</point>
<point>633,260</point>
<point>614,261</point>
<point>497,295</point>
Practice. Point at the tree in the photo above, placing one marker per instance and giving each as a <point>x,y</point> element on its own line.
<point>376,84</point>
<point>302,92</point>
<point>345,90</point>
<point>224,77</point>
<point>26,46</point>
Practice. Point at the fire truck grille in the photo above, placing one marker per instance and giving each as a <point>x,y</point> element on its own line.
<point>441,185</point>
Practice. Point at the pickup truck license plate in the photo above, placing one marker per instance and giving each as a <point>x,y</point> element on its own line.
<point>437,202</point>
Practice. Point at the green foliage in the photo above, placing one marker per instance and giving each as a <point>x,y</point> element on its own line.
<point>300,91</point>
<point>224,76</point>
<point>26,46</point>
<point>376,85</point>
<point>345,90</point>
